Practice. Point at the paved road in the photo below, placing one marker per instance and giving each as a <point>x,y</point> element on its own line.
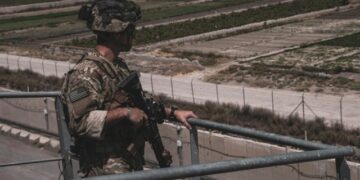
<point>13,150</point>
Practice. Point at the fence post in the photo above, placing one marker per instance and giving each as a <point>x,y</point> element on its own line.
<point>152,84</point>
<point>217,93</point>
<point>172,87</point>
<point>342,169</point>
<point>303,111</point>
<point>43,67</point>
<point>243,90</point>
<point>65,141</point>
<point>194,146</point>
<point>272,101</point>
<point>56,70</point>
<point>192,90</point>
<point>30,65</point>
<point>303,106</point>
<point>7,61</point>
<point>341,110</point>
<point>18,63</point>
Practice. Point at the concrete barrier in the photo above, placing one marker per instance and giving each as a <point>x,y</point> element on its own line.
<point>215,146</point>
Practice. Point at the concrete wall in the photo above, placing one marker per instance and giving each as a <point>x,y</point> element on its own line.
<point>216,147</point>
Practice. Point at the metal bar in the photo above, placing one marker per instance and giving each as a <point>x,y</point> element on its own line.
<point>194,146</point>
<point>30,162</point>
<point>268,137</point>
<point>342,169</point>
<point>232,165</point>
<point>65,140</point>
<point>29,94</point>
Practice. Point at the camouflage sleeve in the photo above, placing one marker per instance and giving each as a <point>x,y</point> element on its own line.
<point>85,103</point>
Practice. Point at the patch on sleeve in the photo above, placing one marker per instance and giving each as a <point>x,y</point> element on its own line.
<point>78,94</point>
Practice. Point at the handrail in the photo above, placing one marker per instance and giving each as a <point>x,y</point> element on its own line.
<point>64,136</point>
<point>29,94</point>
<point>31,162</point>
<point>317,151</point>
<point>230,165</point>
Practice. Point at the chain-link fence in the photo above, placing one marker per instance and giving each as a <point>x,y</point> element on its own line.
<point>335,109</point>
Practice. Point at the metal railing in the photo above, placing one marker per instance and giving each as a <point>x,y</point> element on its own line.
<point>64,136</point>
<point>315,151</point>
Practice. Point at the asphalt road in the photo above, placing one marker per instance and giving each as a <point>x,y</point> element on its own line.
<point>13,150</point>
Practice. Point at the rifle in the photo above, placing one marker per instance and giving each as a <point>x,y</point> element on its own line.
<point>156,115</point>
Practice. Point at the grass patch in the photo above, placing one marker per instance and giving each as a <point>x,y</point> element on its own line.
<point>160,33</point>
<point>4,3</point>
<point>36,21</point>
<point>34,81</point>
<point>347,41</point>
<point>148,15</point>
<point>167,12</point>
<point>262,75</point>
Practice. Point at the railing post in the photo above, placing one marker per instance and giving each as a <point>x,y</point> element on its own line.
<point>342,169</point>
<point>65,141</point>
<point>194,146</point>
<point>46,114</point>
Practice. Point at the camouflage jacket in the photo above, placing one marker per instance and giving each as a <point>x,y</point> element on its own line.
<point>90,91</point>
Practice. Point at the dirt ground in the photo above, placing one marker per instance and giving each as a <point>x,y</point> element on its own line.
<point>325,69</point>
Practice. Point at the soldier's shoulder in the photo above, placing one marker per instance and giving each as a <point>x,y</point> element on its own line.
<point>88,63</point>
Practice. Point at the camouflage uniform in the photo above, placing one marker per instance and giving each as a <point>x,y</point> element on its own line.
<point>90,91</point>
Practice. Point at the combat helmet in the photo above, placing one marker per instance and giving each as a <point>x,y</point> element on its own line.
<point>110,15</point>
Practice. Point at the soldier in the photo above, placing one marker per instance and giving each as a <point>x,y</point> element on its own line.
<point>103,120</point>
